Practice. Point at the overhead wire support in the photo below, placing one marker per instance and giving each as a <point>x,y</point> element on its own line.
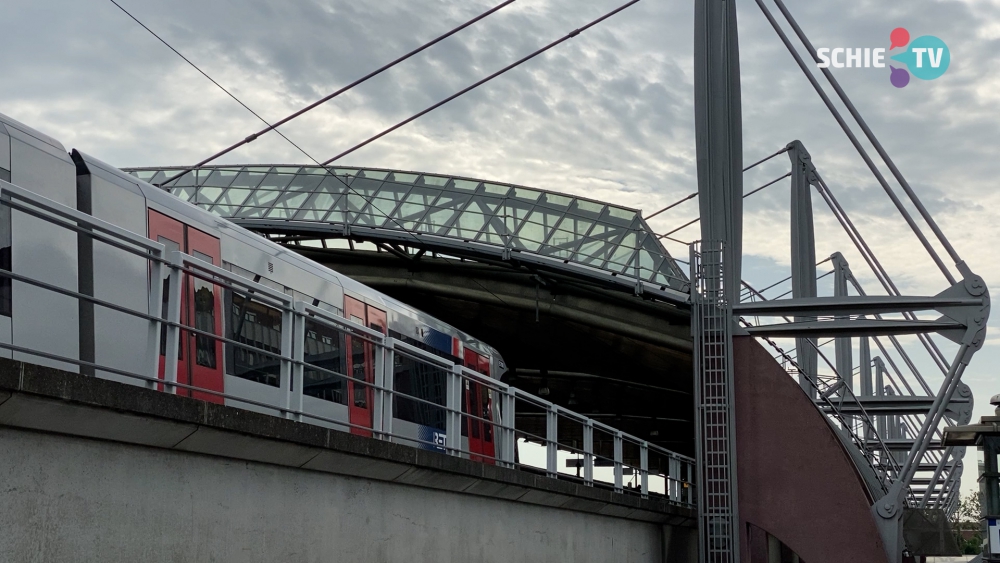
<point>695,194</point>
<point>515,64</point>
<point>857,144</point>
<point>252,137</point>
<point>696,219</point>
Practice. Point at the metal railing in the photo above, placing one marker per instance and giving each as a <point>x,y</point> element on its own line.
<point>504,419</point>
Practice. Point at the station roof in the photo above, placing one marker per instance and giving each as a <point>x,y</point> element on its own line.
<point>558,227</point>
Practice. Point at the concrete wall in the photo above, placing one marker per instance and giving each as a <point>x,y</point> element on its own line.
<point>96,470</point>
<point>73,499</point>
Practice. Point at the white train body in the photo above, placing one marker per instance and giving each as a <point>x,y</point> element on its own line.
<point>34,318</point>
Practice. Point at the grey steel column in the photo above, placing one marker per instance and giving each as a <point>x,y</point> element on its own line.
<point>719,150</point>
<point>803,257</point>
<point>867,386</point>
<point>719,133</point>
<point>842,345</point>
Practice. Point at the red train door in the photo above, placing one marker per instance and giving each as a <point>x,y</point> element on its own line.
<point>204,308</point>
<point>200,357</point>
<point>478,402</point>
<point>361,365</point>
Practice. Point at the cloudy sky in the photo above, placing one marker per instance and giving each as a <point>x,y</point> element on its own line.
<point>608,114</point>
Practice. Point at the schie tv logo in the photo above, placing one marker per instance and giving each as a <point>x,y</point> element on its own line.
<point>926,57</point>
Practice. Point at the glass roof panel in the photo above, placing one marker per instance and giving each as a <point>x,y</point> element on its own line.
<point>556,199</point>
<point>274,181</point>
<point>234,197</point>
<point>305,183</point>
<point>619,213</point>
<point>193,178</point>
<point>208,195</point>
<point>526,194</point>
<point>404,177</point>
<point>466,184</point>
<point>546,223</point>
<point>247,179</point>
<point>496,189</point>
<point>435,180</point>
<point>589,206</point>
<point>220,178</point>
<point>375,174</point>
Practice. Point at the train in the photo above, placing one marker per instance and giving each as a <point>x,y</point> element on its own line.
<point>71,334</point>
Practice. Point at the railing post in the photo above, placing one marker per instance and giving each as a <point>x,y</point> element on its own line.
<point>644,469</point>
<point>453,423</point>
<point>619,486</point>
<point>298,355</point>
<point>510,431</point>
<point>383,392</point>
<point>551,440</point>
<point>173,344</point>
<point>588,453</point>
<point>674,479</point>
<point>155,306</point>
<point>285,373</point>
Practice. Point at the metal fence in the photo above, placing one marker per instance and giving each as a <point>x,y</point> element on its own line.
<point>595,454</point>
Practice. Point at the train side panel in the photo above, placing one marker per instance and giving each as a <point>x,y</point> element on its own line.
<point>118,276</point>
<point>40,164</point>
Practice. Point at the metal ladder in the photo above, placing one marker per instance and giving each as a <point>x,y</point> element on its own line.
<point>711,327</point>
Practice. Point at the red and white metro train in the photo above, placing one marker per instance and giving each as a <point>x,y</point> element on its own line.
<point>37,319</point>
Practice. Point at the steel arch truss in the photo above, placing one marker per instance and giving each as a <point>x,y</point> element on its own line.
<point>564,232</point>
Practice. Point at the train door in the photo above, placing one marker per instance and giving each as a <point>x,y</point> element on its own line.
<point>200,357</point>
<point>478,401</point>
<point>361,365</point>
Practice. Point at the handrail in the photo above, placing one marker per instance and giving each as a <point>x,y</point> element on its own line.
<point>676,471</point>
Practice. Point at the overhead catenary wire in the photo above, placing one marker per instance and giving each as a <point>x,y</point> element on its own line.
<point>367,198</point>
<point>475,85</point>
<point>695,194</point>
<point>307,155</point>
<point>202,72</point>
<point>252,137</point>
<point>696,219</point>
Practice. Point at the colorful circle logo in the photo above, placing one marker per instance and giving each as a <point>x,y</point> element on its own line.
<point>926,57</point>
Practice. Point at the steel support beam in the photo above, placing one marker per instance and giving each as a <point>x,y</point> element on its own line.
<point>857,327</point>
<point>719,134</point>
<point>842,346</point>
<point>719,153</point>
<point>803,254</point>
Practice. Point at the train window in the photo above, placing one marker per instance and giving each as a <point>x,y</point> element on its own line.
<point>204,318</point>
<point>256,325</point>
<point>6,303</point>
<point>358,370</point>
<point>324,349</point>
<point>425,381</point>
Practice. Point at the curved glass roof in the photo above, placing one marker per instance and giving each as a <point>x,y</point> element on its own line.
<point>556,226</point>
